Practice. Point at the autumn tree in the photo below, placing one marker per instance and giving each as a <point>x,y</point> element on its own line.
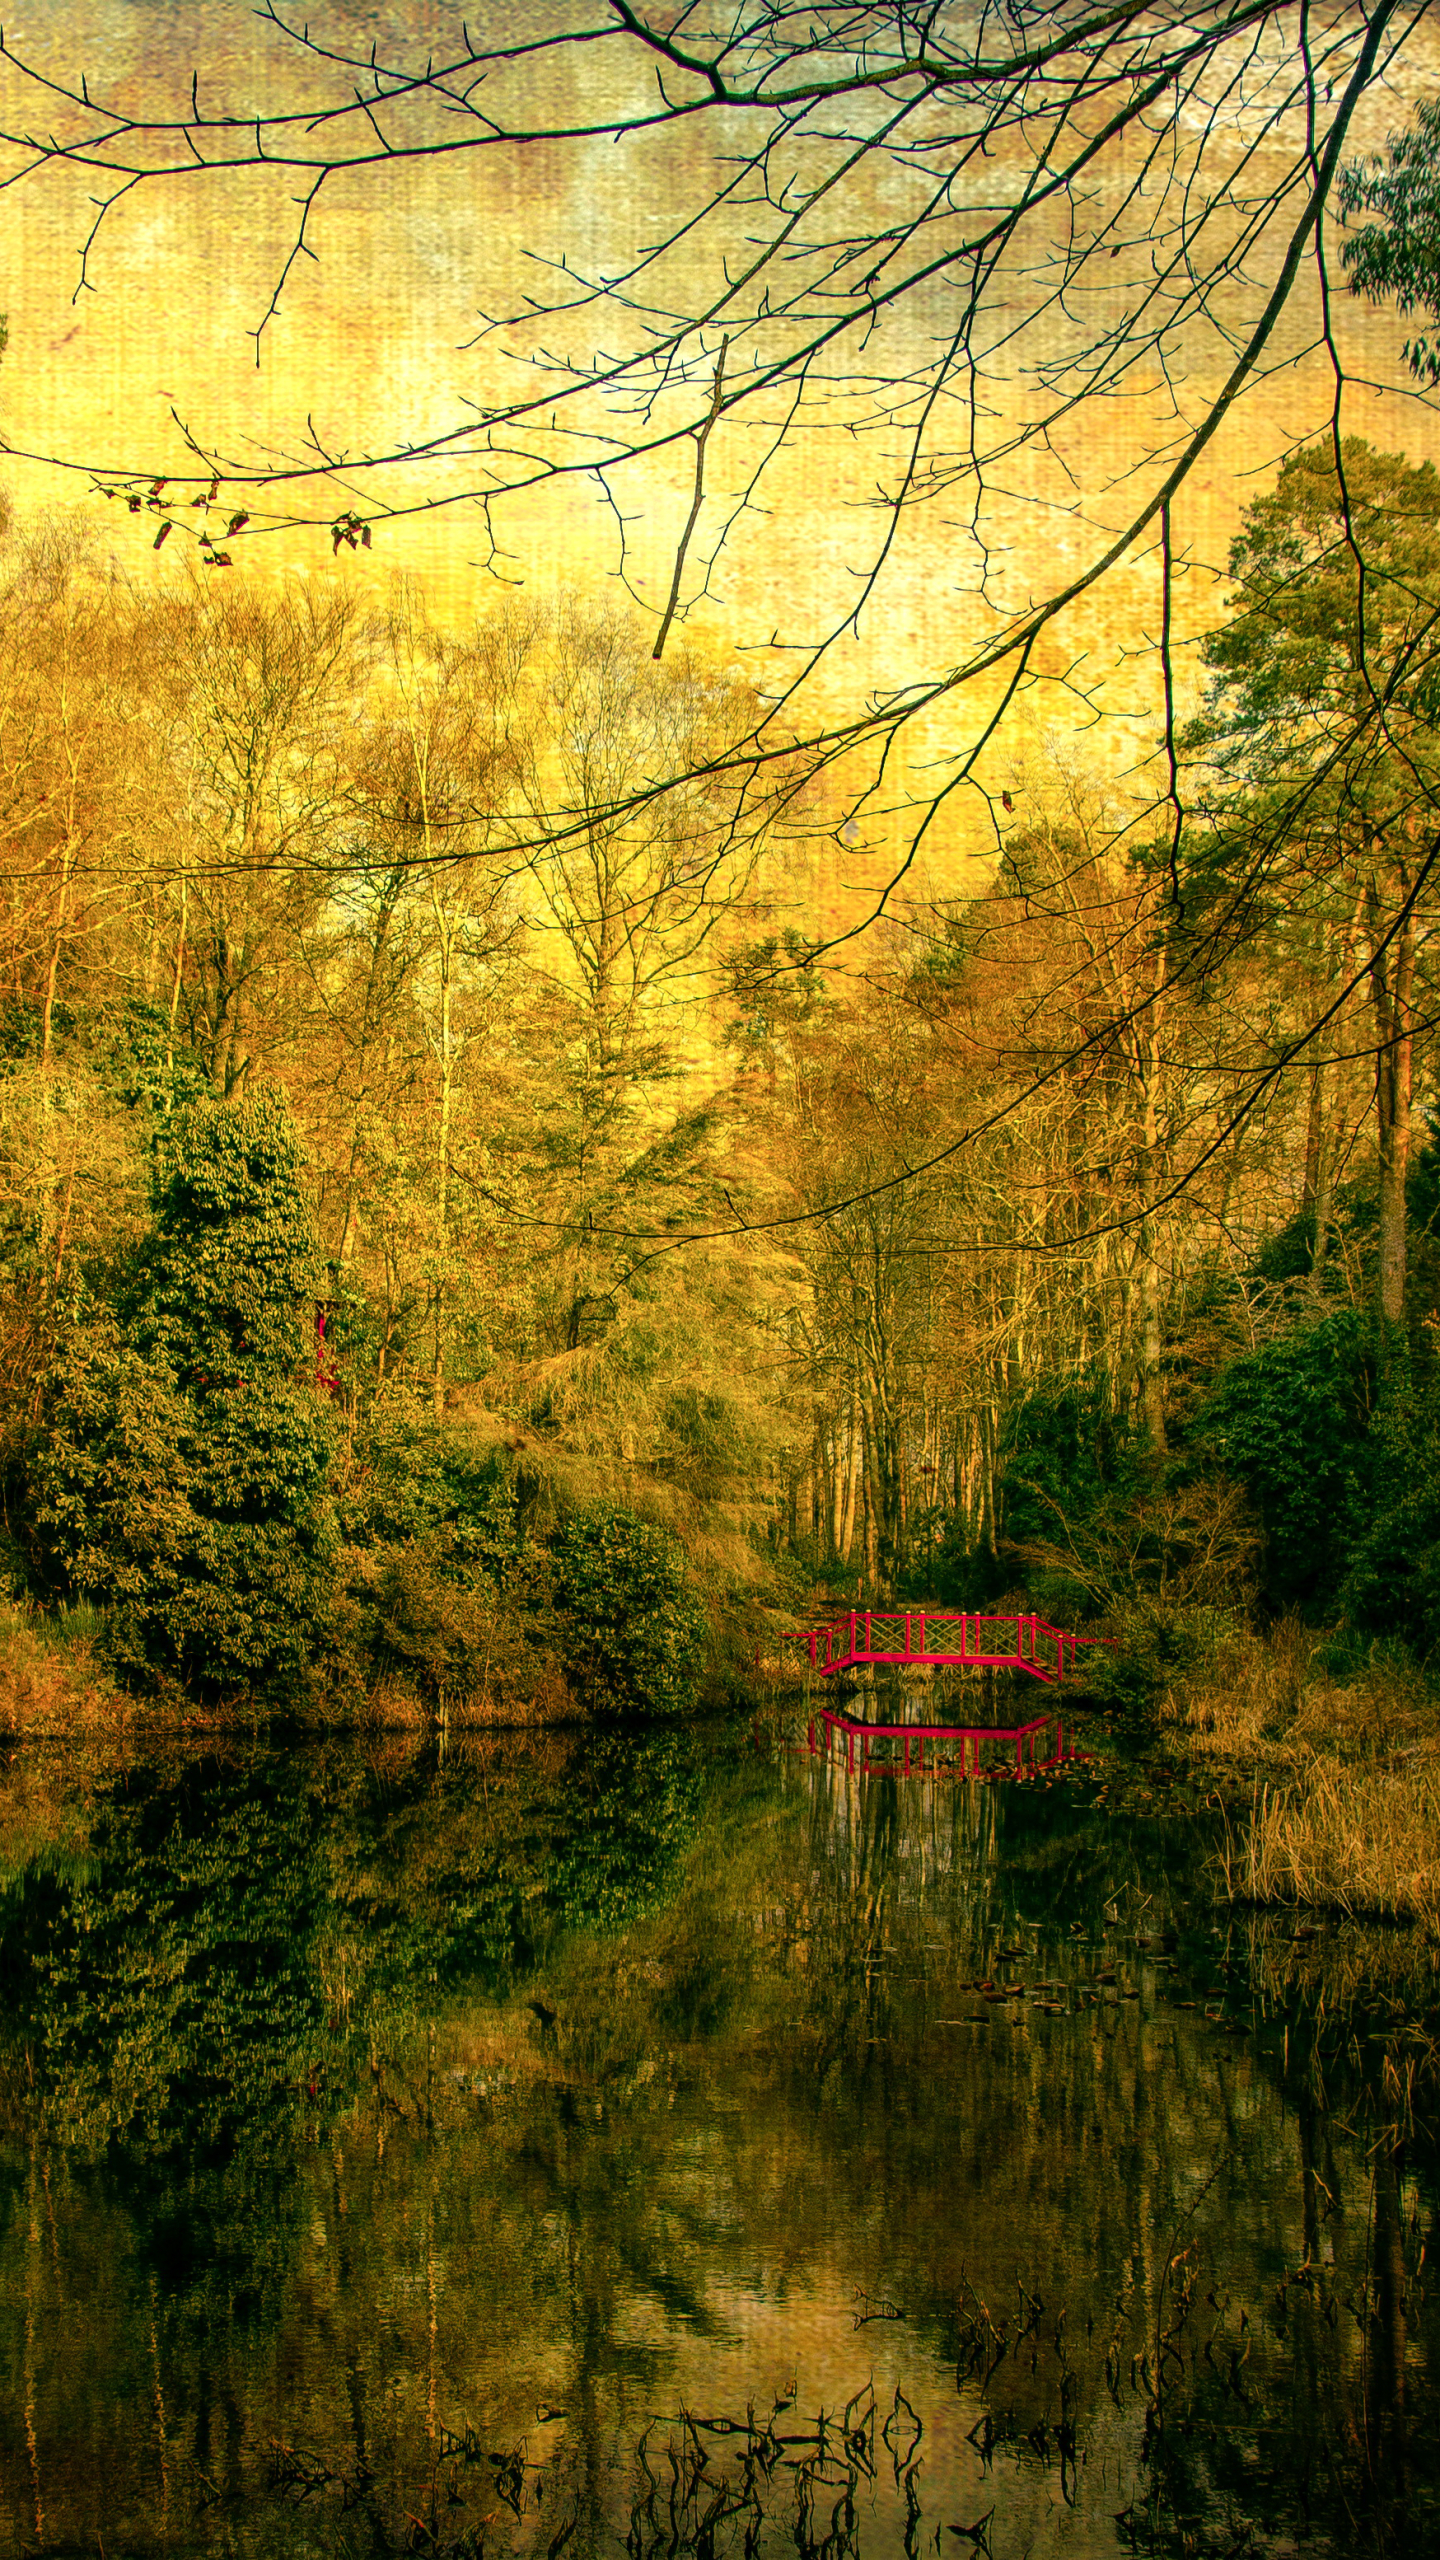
<point>429,919</point>
<point>642,842</point>
<point>1323,773</point>
<point>259,692</point>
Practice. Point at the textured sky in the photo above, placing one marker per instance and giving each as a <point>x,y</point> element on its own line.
<point>375,341</point>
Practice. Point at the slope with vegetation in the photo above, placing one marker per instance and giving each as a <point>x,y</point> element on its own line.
<point>450,1216</point>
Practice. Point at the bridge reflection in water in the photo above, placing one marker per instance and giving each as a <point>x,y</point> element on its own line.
<point>899,1750</point>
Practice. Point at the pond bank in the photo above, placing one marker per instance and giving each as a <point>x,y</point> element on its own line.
<point>1332,1784</point>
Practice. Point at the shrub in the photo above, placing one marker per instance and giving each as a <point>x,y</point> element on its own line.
<point>1061,1450</point>
<point>1393,1582</point>
<point>633,1629</point>
<point>1291,1424</point>
<point>183,1470</point>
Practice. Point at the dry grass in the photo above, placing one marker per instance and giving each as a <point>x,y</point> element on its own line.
<point>50,1681</point>
<point>1345,1815</point>
<point>393,1706</point>
<point>1362,1840</point>
<point>1267,1700</point>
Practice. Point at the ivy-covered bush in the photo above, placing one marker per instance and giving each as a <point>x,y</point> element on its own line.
<point>1291,1424</point>
<point>432,1555</point>
<point>181,1475</point>
<point>633,1628</point>
<point>1392,1586</point>
<point>1061,1452</point>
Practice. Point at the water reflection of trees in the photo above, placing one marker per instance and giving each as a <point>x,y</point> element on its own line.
<point>756,2100</point>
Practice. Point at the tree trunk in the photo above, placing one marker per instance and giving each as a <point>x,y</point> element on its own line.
<point>57,945</point>
<point>1152,1385</point>
<point>442,1194</point>
<point>1392,983</point>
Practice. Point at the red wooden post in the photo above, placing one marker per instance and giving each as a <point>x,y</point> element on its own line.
<point>868,1647</point>
<point>813,1641</point>
<point>852,1635</point>
<point>907,1635</point>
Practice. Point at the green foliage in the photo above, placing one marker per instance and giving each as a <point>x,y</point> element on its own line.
<point>952,1570</point>
<point>1392,1586</point>
<point>1399,255</point>
<point>410,1478</point>
<point>143,1065</point>
<point>433,1546</point>
<point>1291,1424</point>
<point>1061,1449</point>
<point>230,1263</point>
<point>183,1467</point>
<point>1306,632</point>
<point>633,1628</point>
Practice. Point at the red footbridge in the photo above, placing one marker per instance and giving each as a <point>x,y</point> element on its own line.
<point>958,1638</point>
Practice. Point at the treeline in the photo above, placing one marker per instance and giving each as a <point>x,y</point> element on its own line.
<point>423,1128</point>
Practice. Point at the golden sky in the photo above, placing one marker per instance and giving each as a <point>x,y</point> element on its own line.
<point>375,340</point>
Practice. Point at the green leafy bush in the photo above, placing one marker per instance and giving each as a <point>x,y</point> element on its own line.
<point>634,1630</point>
<point>1392,1587</point>
<point>1060,1452</point>
<point>182,1473</point>
<point>1291,1424</point>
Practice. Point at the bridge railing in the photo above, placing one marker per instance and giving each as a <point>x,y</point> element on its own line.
<point>964,1636</point>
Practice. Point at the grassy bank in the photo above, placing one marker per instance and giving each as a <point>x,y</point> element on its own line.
<point>56,1686</point>
<point>52,1683</point>
<point>1342,1770</point>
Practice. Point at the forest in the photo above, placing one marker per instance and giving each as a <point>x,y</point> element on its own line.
<point>457,1209</point>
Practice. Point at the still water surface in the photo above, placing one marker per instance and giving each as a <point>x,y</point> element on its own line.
<point>576,2147</point>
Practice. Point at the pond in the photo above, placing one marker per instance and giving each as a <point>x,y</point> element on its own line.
<point>575,2145</point>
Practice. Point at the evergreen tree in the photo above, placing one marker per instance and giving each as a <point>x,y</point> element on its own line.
<point>183,1474</point>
